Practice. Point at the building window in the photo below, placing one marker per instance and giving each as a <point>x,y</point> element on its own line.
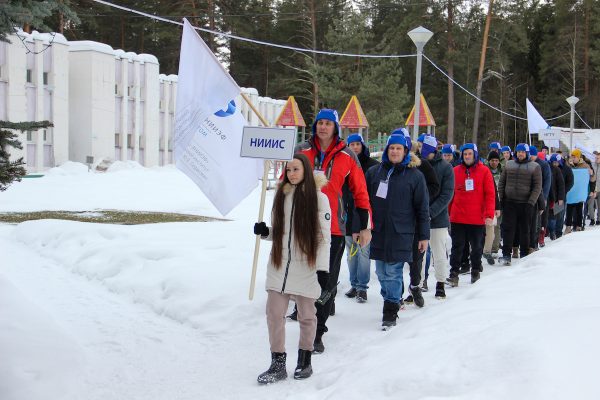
<point>117,140</point>
<point>29,136</point>
<point>45,134</point>
<point>29,76</point>
<point>130,140</point>
<point>45,78</point>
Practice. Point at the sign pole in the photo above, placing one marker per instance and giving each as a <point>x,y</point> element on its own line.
<point>263,194</point>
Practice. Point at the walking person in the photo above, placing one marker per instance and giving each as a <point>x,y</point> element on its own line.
<point>593,204</point>
<point>492,233</point>
<point>582,176</point>
<point>359,263</point>
<point>471,208</point>
<point>567,173</point>
<point>519,188</point>
<point>557,196</point>
<point>329,155</point>
<point>438,211</point>
<point>538,221</point>
<point>299,259</point>
<point>398,194</point>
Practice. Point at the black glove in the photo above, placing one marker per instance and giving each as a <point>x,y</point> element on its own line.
<point>260,228</point>
<point>323,278</point>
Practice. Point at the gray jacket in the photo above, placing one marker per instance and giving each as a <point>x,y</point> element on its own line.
<point>438,205</point>
<point>520,182</point>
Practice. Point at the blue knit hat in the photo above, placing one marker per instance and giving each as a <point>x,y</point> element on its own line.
<point>355,137</point>
<point>522,147</point>
<point>429,146</point>
<point>404,132</point>
<point>396,139</point>
<point>471,146</point>
<point>556,157</point>
<point>329,114</point>
<point>495,146</point>
<point>506,148</point>
<point>533,151</point>
<point>421,137</point>
<point>448,149</point>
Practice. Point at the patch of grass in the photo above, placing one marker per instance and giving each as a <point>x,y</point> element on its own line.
<point>105,217</point>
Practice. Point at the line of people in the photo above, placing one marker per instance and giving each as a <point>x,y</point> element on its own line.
<point>334,195</point>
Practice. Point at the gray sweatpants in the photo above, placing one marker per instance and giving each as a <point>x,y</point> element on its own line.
<point>277,305</point>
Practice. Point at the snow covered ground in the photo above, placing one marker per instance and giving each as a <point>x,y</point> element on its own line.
<point>93,311</point>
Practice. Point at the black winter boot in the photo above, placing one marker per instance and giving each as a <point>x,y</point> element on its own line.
<point>440,292</point>
<point>303,369</point>
<point>276,371</point>
<point>452,280</point>
<point>390,314</point>
<point>475,276</point>
<point>417,296</point>
<point>318,346</point>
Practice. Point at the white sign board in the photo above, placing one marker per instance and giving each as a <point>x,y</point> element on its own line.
<point>549,134</point>
<point>268,143</point>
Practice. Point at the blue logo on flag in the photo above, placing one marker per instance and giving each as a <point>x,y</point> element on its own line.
<point>230,110</point>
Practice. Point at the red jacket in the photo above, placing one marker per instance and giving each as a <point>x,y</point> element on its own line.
<point>338,164</point>
<point>474,206</point>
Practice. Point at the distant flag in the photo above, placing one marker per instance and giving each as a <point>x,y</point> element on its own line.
<point>535,122</point>
<point>209,126</point>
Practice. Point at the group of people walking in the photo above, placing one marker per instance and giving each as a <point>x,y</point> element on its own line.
<point>333,196</point>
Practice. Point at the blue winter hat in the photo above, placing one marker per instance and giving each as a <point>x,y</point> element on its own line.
<point>522,147</point>
<point>448,149</point>
<point>395,139</point>
<point>421,137</point>
<point>404,132</point>
<point>468,146</point>
<point>429,146</point>
<point>495,146</point>
<point>506,148</point>
<point>533,151</point>
<point>556,157</point>
<point>355,137</point>
<point>329,114</point>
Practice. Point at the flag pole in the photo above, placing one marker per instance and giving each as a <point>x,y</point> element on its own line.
<point>263,194</point>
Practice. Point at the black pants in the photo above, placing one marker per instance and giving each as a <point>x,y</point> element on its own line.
<point>466,235</point>
<point>516,218</point>
<point>415,265</point>
<point>335,261</point>
<point>574,215</point>
<point>534,229</point>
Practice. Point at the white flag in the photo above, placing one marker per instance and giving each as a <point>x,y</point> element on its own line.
<point>209,126</point>
<point>535,122</point>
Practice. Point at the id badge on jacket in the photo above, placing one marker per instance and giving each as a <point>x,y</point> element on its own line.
<point>382,189</point>
<point>469,185</point>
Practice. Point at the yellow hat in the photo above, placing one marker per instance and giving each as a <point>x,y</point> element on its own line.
<point>576,153</point>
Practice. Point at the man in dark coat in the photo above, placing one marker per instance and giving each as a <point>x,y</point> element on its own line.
<point>557,196</point>
<point>519,189</point>
<point>399,200</point>
<point>569,182</point>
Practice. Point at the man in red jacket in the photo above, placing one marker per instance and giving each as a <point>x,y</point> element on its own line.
<point>329,155</point>
<point>471,209</point>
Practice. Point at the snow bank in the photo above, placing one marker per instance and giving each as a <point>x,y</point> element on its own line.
<point>68,168</point>
<point>124,166</point>
<point>39,360</point>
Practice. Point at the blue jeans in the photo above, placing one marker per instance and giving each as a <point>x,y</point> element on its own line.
<point>560,222</point>
<point>390,278</point>
<point>359,264</point>
<point>427,262</point>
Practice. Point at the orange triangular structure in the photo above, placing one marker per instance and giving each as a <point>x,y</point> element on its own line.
<point>425,117</point>
<point>290,114</point>
<point>353,116</point>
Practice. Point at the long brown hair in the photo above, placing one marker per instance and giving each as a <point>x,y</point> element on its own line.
<point>305,221</point>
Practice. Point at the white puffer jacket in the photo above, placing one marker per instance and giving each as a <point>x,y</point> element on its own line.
<point>294,276</point>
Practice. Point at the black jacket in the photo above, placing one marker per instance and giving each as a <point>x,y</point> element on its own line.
<point>557,189</point>
<point>433,186</point>
<point>568,176</point>
<point>402,214</point>
<point>438,205</point>
<point>352,218</point>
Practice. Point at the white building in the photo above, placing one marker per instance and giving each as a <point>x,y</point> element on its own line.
<point>105,104</point>
<point>34,86</point>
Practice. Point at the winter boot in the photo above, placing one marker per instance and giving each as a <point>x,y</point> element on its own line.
<point>465,269</point>
<point>505,261</point>
<point>361,296</point>
<point>568,230</point>
<point>592,222</point>
<point>452,280</point>
<point>489,258</point>
<point>409,300</point>
<point>542,237</point>
<point>417,296</point>
<point>390,314</point>
<point>424,287</point>
<point>475,276</point>
<point>351,293</point>
<point>318,346</point>
<point>440,292</point>
<point>276,371</point>
<point>303,369</point>
<point>515,253</point>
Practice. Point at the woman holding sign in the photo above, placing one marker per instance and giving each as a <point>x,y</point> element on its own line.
<point>299,260</point>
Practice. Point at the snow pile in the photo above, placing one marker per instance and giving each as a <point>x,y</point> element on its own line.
<point>38,357</point>
<point>124,166</point>
<point>68,168</point>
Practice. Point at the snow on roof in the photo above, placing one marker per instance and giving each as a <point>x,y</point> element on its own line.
<point>89,45</point>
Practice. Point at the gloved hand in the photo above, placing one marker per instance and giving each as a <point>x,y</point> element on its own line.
<point>260,228</point>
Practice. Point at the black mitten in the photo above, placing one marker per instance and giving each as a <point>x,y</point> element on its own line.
<point>260,228</point>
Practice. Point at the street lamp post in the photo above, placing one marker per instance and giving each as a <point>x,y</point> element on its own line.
<point>572,101</point>
<point>420,36</point>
